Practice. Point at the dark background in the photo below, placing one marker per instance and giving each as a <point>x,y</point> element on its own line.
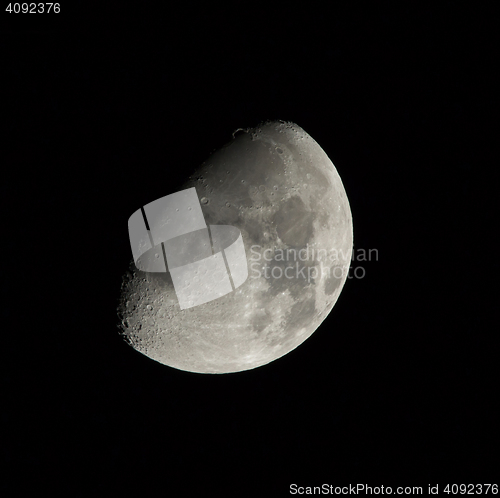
<point>106,111</point>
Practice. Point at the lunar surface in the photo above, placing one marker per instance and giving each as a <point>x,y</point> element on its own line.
<point>278,187</point>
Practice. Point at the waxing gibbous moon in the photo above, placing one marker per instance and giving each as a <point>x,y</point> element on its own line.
<point>279,188</point>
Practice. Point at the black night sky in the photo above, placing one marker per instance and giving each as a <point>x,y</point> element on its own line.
<point>104,112</point>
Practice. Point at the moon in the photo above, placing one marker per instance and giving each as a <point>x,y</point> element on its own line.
<point>279,188</point>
